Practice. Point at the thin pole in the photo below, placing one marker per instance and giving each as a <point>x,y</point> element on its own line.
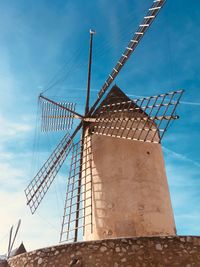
<point>10,238</point>
<point>92,32</point>
<point>16,232</point>
<point>79,184</point>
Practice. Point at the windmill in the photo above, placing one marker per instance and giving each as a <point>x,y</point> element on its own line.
<point>119,137</point>
<point>12,241</point>
<point>10,252</point>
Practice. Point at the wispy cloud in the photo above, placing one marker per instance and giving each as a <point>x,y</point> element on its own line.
<point>184,180</point>
<point>14,177</point>
<point>10,129</point>
<point>181,157</point>
<point>190,103</point>
<point>181,102</point>
<point>16,209</point>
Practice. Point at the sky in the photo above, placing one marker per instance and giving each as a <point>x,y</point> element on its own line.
<point>44,47</point>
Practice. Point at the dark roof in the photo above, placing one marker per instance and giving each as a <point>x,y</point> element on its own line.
<point>21,249</point>
<point>116,95</point>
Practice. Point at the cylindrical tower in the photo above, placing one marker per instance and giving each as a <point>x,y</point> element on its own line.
<point>130,194</point>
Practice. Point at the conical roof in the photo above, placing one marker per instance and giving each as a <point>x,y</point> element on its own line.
<point>117,97</point>
<point>21,249</point>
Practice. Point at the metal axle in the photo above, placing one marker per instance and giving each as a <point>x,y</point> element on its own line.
<point>87,104</point>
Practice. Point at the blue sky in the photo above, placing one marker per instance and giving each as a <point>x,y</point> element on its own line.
<point>42,38</point>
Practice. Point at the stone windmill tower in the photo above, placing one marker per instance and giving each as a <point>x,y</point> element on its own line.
<point>117,185</point>
<point>129,186</point>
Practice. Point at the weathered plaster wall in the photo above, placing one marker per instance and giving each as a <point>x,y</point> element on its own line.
<point>129,252</point>
<point>130,190</point>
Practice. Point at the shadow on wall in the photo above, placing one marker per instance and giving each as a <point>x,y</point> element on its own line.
<point>130,195</point>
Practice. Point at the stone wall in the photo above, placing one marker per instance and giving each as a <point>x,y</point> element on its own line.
<point>3,263</point>
<point>129,252</point>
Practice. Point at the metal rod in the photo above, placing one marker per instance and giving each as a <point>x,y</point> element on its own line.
<point>73,178</point>
<point>9,243</point>
<point>92,32</point>
<point>77,115</point>
<point>79,185</point>
<point>16,232</point>
<point>172,114</point>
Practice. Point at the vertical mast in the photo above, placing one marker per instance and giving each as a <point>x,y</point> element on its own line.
<point>92,32</point>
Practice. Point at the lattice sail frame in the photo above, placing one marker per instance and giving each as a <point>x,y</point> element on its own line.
<point>78,205</point>
<point>38,187</point>
<point>135,40</point>
<point>55,118</point>
<point>144,119</point>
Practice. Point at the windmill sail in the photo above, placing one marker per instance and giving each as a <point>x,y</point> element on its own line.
<point>144,119</point>
<point>78,204</point>
<point>56,118</point>
<point>43,179</point>
<point>137,37</point>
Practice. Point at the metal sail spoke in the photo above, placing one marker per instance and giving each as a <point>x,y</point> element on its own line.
<point>43,179</point>
<point>78,205</point>
<point>56,118</point>
<point>135,40</point>
<point>144,119</point>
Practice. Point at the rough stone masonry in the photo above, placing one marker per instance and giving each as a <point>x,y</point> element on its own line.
<point>182,251</point>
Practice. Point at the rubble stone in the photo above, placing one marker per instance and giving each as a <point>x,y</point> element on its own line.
<point>158,247</point>
<point>119,252</point>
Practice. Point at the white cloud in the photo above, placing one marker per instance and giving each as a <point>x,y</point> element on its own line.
<point>36,231</point>
<point>10,129</point>
<point>15,173</point>
<point>10,175</point>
